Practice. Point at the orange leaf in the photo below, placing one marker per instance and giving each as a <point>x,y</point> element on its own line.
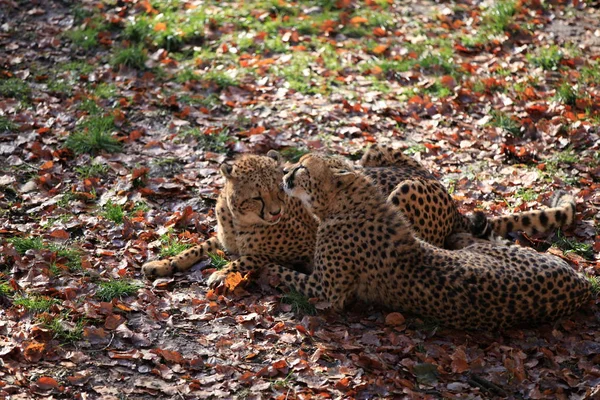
<point>159,27</point>
<point>139,173</point>
<point>380,49</point>
<point>135,135</point>
<point>448,81</point>
<point>60,234</point>
<point>47,165</point>
<point>394,319</point>
<point>34,351</point>
<point>459,361</point>
<point>379,32</point>
<point>43,130</point>
<point>45,383</point>
<point>233,280</point>
<point>358,20</point>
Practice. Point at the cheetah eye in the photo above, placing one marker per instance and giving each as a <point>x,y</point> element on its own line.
<point>258,198</point>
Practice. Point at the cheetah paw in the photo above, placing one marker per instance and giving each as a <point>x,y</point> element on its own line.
<point>216,278</point>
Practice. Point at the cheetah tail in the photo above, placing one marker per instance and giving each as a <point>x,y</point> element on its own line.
<point>561,213</point>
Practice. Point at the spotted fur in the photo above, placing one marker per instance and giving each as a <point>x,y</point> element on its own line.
<point>256,219</point>
<point>366,250</point>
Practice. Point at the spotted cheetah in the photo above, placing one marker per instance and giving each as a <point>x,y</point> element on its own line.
<point>366,250</point>
<point>258,222</point>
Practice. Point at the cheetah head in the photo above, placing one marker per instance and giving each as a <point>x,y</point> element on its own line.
<point>316,180</point>
<point>253,189</point>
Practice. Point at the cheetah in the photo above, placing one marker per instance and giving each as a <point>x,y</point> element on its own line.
<point>259,222</point>
<point>366,250</point>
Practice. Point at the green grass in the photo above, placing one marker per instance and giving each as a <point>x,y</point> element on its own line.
<point>138,30</point>
<point>60,87</point>
<point>63,328</point>
<point>92,170</point>
<point>214,142</point>
<point>526,194</point>
<point>116,289</point>
<point>133,57</point>
<point>22,244</point>
<point>105,90</point>
<point>438,90</point>
<point>414,149</point>
<point>79,67</point>
<point>71,255</point>
<point>504,121</point>
<point>595,282</point>
<point>567,94</point>
<point>5,289</point>
<point>567,245</point>
<point>500,15</point>
<point>7,125</point>
<point>299,303</point>
<point>84,38</point>
<point>293,154</point>
<point>90,106</point>
<point>217,261</point>
<point>35,303</point>
<point>172,246</point>
<point>548,58</point>
<point>221,79</point>
<point>93,136</point>
<point>15,88</point>
<point>113,212</point>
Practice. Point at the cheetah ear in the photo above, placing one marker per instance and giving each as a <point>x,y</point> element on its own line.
<point>226,170</point>
<point>342,178</point>
<point>274,155</point>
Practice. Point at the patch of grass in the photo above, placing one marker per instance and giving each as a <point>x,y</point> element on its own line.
<point>84,38</point>
<point>15,88</point>
<point>299,303</point>
<point>526,194</point>
<point>214,142</point>
<point>293,154</point>
<point>22,244</point>
<point>438,90</point>
<point>133,57</point>
<point>60,87</point>
<point>172,246</point>
<point>7,125</point>
<point>93,136</point>
<point>113,212</point>
<point>71,254</point>
<point>5,289</point>
<point>105,90</point>
<point>217,261</point>
<point>504,121</point>
<point>500,15</point>
<point>78,66</point>
<point>414,149</point>
<point>63,328</point>
<point>548,58</point>
<point>116,289</point>
<point>221,79</point>
<point>595,282</point>
<point>92,170</point>
<point>566,94</point>
<point>567,245</point>
<point>90,106</point>
<point>138,30</point>
<point>35,304</point>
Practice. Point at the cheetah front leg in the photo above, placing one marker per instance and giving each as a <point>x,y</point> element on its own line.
<point>244,265</point>
<point>182,261</point>
<point>317,285</point>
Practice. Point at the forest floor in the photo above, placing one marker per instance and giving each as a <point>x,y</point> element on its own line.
<point>115,116</point>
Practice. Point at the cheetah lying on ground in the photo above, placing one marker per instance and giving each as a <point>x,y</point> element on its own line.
<point>366,250</point>
<point>258,222</point>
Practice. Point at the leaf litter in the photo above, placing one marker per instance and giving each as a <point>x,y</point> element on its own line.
<point>115,117</point>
